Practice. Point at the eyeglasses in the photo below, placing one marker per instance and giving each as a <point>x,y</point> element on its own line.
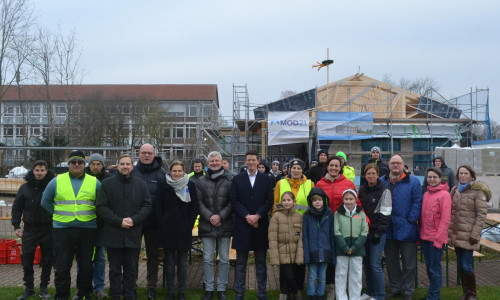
<point>396,163</point>
<point>77,162</point>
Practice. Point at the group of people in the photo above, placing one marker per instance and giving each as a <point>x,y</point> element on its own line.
<point>317,220</point>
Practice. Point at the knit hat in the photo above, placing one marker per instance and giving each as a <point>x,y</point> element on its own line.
<point>297,162</point>
<point>275,163</point>
<point>350,191</point>
<point>314,161</point>
<point>322,151</point>
<point>377,149</point>
<point>342,154</point>
<point>97,157</point>
<point>317,191</point>
<point>76,155</point>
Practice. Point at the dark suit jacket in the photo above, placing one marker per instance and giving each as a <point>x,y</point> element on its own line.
<point>246,200</point>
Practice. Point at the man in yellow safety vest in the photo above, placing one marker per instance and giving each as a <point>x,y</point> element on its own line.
<point>71,199</point>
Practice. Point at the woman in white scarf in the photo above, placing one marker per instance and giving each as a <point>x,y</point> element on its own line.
<point>176,211</point>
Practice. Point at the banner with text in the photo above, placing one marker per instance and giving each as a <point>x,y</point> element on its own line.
<point>288,127</point>
<point>345,125</point>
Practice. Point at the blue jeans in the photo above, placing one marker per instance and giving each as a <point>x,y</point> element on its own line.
<point>208,262</point>
<point>317,271</point>
<point>99,268</point>
<point>433,258</point>
<point>375,284</point>
<point>464,260</point>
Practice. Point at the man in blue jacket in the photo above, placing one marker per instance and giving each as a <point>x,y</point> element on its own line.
<point>402,232</point>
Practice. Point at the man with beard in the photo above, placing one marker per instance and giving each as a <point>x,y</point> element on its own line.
<point>37,228</point>
<point>123,204</point>
<point>149,169</point>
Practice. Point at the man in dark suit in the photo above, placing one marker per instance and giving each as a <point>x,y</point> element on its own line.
<point>251,199</point>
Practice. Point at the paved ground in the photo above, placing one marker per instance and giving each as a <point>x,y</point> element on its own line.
<point>486,272</point>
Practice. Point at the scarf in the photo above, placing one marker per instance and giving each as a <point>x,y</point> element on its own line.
<point>329,177</point>
<point>180,187</point>
<point>215,174</point>
<point>461,187</point>
<point>318,214</point>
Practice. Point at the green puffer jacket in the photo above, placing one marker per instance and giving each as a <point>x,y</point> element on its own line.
<point>350,232</point>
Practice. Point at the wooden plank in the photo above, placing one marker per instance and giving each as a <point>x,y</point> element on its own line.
<point>475,254</point>
<point>490,244</point>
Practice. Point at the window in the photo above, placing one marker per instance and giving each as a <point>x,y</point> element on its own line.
<point>167,133</point>
<point>36,131</point>
<point>191,131</point>
<point>177,152</point>
<point>8,131</point>
<point>60,109</point>
<point>191,110</point>
<point>422,162</point>
<point>179,131</point>
<point>8,110</point>
<point>20,131</point>
<point>35,109</point>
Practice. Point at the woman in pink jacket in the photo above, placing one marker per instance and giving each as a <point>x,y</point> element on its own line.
<point>435,218</point>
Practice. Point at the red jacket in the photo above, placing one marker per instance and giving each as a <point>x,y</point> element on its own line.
<point>436,213</point>
<point>334,190</point>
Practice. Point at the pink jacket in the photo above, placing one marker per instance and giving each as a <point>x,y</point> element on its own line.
<point>436,214</point>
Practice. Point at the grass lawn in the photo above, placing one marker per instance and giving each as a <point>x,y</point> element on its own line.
<point>484,293</point>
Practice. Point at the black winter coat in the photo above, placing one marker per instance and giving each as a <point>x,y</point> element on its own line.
<point>175,218</point>
<point>248,200</point>
<point>377,211</point>
<point>121,197</point>
<point>214,193</point>
<point>152,174</point>
<point>101,176</point>
<point>28,203</point>
<point>316,173</point>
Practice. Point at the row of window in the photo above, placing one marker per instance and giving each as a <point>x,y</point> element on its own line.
<point>9,110</point>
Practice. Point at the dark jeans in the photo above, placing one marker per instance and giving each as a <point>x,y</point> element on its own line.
<point>375,284</point>
<point>175,257</point>
<point>290,276</point>
<point>31,239</point>
<point>69,242</point>
<point>123,283</point>
<point>330,274</point>
<point>151,242</point>
<point>464,260</point>
<point>401,272</point>
<point>241,271</point>
<point>433,258</point>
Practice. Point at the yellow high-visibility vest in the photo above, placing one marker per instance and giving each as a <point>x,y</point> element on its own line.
<point>301,198</point>
<point>67,207</point>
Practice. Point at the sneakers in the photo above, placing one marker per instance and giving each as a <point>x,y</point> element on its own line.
<point>44,294</point>
<point>27,293</point>
<point>101,294</point>
<point>366,297</point>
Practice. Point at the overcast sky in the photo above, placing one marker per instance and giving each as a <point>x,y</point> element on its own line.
<point>271,45</point>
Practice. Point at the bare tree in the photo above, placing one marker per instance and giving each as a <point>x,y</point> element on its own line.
<point>67,67</point>
<point>16,20</point>
<point>287,93</point>
<point>421,86</point>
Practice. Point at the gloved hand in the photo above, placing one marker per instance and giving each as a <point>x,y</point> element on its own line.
<point>376,239</point>
<point>473,241</point>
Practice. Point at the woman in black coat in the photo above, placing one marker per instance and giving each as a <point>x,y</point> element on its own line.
<point>176,211</point>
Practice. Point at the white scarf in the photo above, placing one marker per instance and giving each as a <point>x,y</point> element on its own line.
<point>180,187</point>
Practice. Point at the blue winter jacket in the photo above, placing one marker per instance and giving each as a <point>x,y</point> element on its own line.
<point>318,238</point>
<point>406,208</point>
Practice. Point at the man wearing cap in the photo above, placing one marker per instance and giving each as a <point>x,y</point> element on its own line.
<point>346,170</point>
<point>376,158</point>
<point>318,171</point>
<point>149,169</point>
<point>97,168</point>
<point>71,197</point>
